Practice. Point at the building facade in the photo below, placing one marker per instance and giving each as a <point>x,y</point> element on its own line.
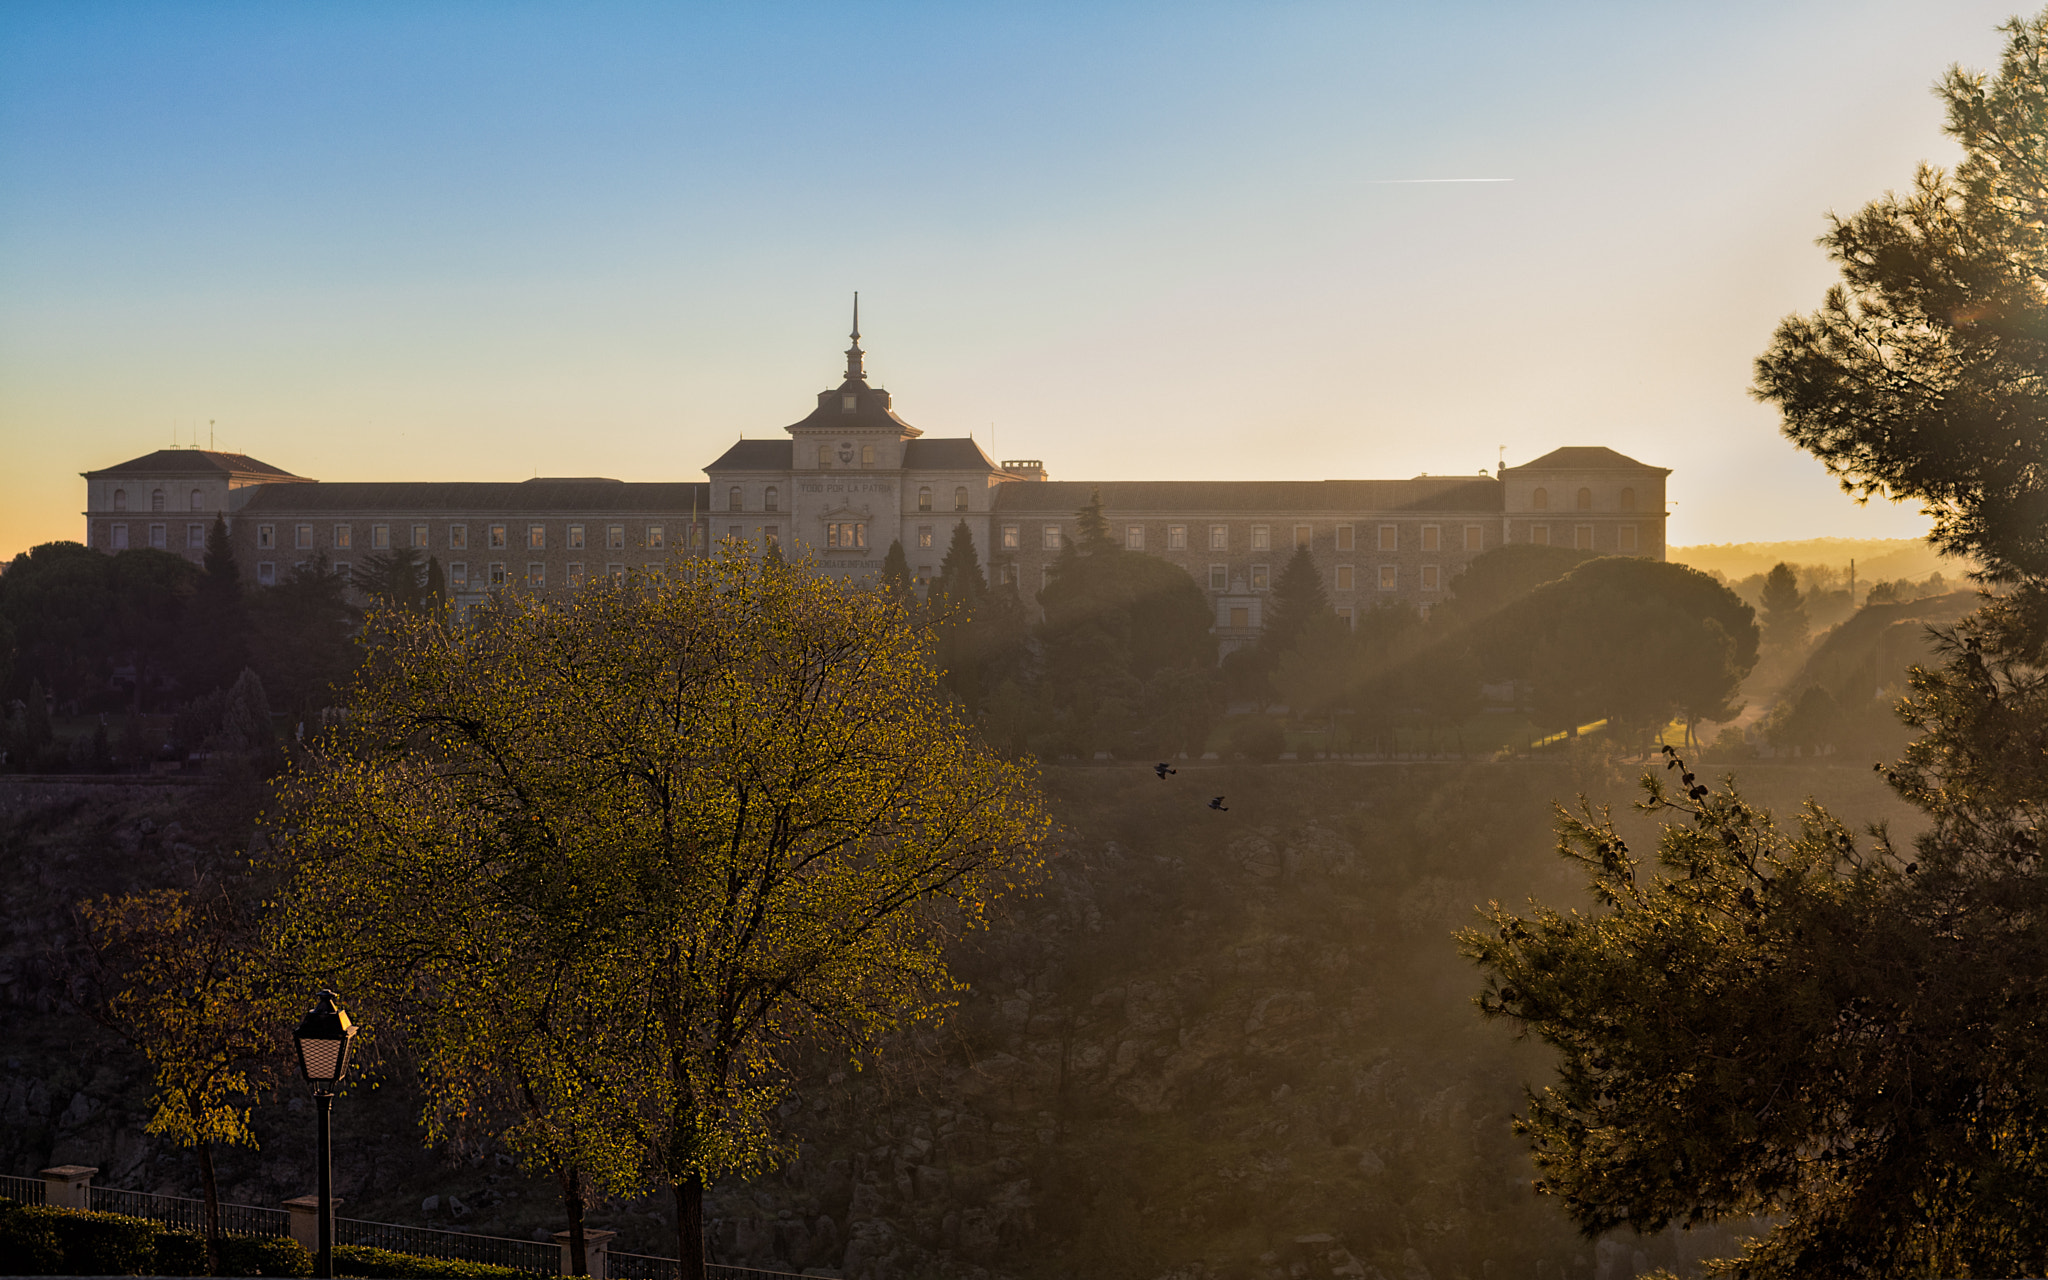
<point>851,478</point>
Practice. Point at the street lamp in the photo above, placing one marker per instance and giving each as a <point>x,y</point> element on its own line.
<point>323,1041</point>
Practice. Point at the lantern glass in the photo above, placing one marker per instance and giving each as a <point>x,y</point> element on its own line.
<point>323,1041</point>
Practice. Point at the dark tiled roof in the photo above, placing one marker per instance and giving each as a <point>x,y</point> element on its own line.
<point>756,455</point>
<point>407,497</point>
<point>951,454</point>
<point>1063,497</point>
<point>871,411</point>
<point>1580,457</point>
<point>188,461</point>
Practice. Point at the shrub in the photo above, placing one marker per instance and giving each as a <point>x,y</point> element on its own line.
<point>361,1260</point>
<point>28,1242</point>
<point>264,1256</point>
<point>179,1253</point>
<point>1258,738</point>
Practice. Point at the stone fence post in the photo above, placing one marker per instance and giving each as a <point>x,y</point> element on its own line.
<point>68,1186</point>
<point>305,1223</point>
<point>596,1248</point>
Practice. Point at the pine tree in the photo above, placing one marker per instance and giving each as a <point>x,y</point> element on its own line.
<point>215,644</point>
<point>896,572</point>
<point>437,583</point>
<point>1298,603</point>
<point>955,603</point>
<point>1784,609</point>
<point>1091,528</point>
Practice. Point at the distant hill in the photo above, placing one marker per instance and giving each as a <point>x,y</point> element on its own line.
<point>1877,559</point>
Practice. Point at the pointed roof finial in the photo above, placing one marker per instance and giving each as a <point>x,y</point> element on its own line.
<point>854,371</point>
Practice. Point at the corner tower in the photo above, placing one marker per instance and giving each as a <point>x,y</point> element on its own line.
<point>853,428</point>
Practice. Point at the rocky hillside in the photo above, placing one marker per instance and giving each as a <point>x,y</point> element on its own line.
<point>1214,1044</point>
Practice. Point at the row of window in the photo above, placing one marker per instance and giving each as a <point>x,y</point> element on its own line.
<point>1625,539</point>
<point>653,537</point>
<point>1431,537</point>
<point>494,574</point>
<point>1581,501</point>
<point>771,498</point>
<point>159,536</point>
<point>158,500</point>
<point>1345,577</point>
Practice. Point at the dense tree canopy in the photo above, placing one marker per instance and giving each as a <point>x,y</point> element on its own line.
<point>628,854</point>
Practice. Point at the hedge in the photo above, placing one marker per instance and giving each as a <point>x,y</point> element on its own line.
<point>38,1240</point>
<point>383,1264</point>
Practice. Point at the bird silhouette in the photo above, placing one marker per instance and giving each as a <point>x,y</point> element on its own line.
<point>1162,769</point>
<point>1218,805</point>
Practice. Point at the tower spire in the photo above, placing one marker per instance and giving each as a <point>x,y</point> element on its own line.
<point>854,371</point>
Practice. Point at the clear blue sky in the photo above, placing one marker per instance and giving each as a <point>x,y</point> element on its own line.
<point>488,240</point>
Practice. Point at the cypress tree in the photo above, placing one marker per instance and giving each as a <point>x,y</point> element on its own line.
<point>1298,602</point>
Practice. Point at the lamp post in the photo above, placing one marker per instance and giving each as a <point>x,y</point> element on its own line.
<point>323,1041</point>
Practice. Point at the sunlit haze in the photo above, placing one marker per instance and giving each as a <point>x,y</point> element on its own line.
<point>1136,241</point>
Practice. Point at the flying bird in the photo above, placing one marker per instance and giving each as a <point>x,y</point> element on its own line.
<point>1218,805</point>
<point>1162,769</point>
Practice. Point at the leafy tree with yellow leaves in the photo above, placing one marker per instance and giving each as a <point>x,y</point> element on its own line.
<point>177,974</point>
<point>632,851</point>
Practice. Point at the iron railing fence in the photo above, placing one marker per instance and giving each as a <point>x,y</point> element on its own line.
<point>23,1190</point>
<point>190,1215</point>
<point>503,1251</point>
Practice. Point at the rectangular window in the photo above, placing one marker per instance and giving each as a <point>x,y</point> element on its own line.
<point>1219,577</point>
<point>195,535</point>
<point>575,537</point>
<point>575,575</point>
<point>1304,535</point>
<point>1009,575</point>
<point>657,537</point>
<point>849,536</point>
<point>266,537</point>
<point>867,455</point>
<point>1134,537</point>
<point>497,578</point>
<point>1219,537</point>
<point>458,575</point>
<point>1390,537</point>
<point>1429,577</point>
<point>536,537</point>
<point>1049,537</point>
<point>1625,538</point>
<point>380,537</point>
<point>1429,537</point>
<point>1475,537</point>
<point>771,535</point>
<point>616,572</point>
<point>345,571</point>
<point>1011,537</point>
<point>1344,538</point>
<point>266,574</point>
<point>1261,577</point>
<point>733,532</point>
<point>536,574</point>
<point>615,537</point>
<point>1343,577</point>
<point>302,536</point>
<point>343,536</point>
<point>1044,576</point>
<point>924,535</point>
<point>159,537</point>
<point>1176,537</point>
<point>497,538</point>
<point>1262,537</point>
<point>120,537</point>
<point>419,536</point>
<point>1539,534</point>
<point>1344,615</point>
<point>1582,537</point>
<point>458,537</point>
<point>1240,617</point>
<point>1390,578</point>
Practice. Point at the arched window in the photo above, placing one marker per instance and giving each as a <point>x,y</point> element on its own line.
<point>198,502</point>
<point>120,499</point>
<point>156,500</point>
<point>1628,499</point>
<point>824,455</point>
<point>769,499</point>
<point>732,498</point>
<point>1585,499</point>
<point>960,498</point>
<point>924,498</point>
<point>1540,500</point>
